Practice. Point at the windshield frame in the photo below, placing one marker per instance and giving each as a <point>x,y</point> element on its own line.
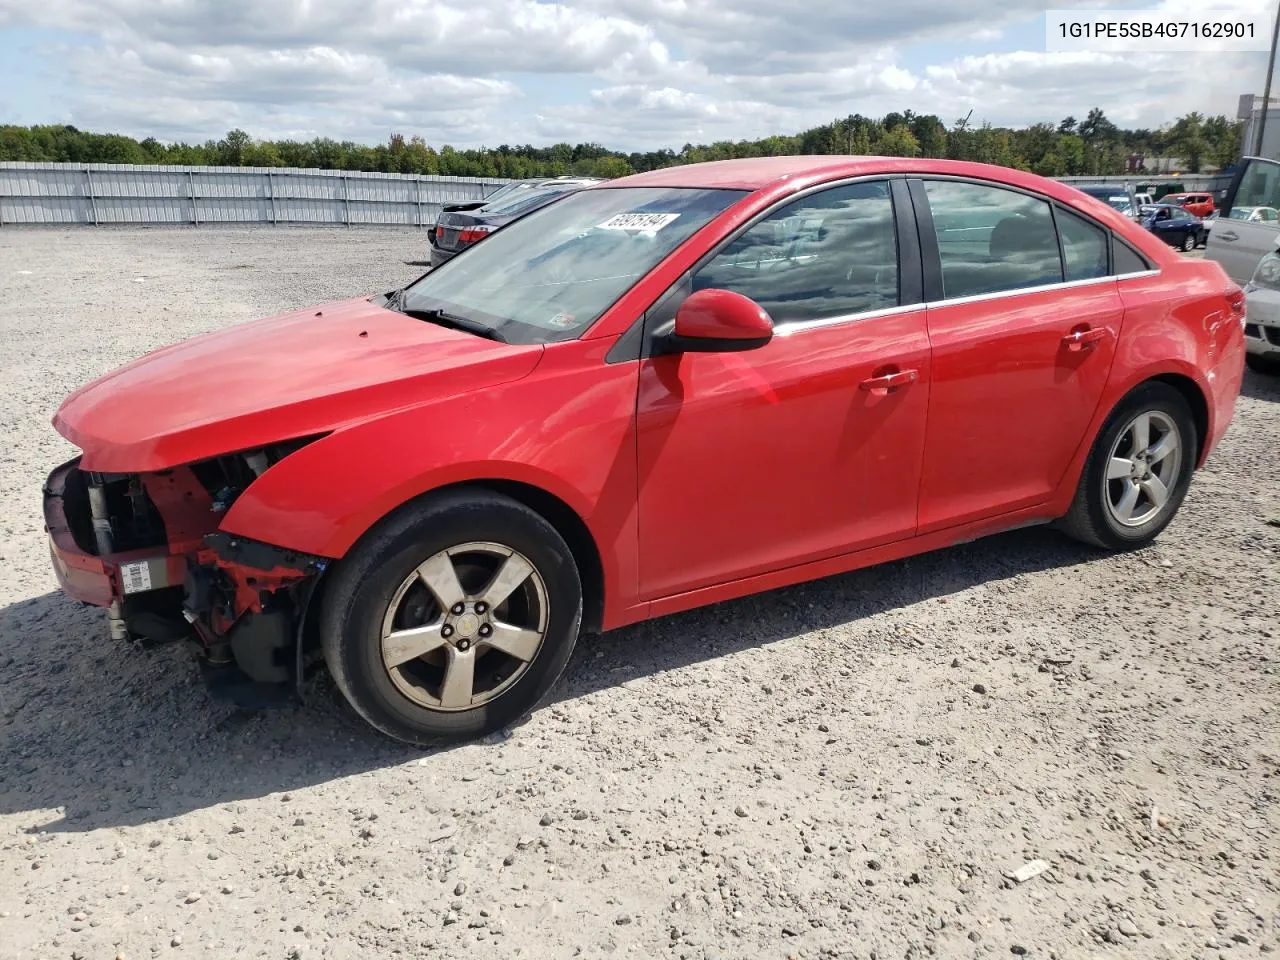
<point>517,330</point>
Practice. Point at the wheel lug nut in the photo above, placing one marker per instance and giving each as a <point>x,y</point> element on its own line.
<point>481,606</point>
<point>446,631</point>
<point>458,609</point>
<point>464,645</point>
<point>485,630</point>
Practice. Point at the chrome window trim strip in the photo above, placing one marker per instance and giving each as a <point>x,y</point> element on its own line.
<point>792,327</point>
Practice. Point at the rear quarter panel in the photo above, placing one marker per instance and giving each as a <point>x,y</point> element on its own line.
<point>1179,322</point>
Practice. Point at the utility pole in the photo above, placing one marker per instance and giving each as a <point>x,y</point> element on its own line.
<point>1266,90</point>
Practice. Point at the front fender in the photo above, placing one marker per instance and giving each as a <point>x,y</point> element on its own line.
<point>567,429</point>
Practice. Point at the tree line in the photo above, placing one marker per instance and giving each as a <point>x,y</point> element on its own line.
<point>1092,146</point>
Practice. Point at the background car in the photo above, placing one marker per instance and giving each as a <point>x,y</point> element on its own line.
<point>1175,226</point>
<point>1240,239</point>
<point>1197,204</point>
<point>1118,196</point>
<point>455,231</point>
<point>1262,326</point>
<point>507,189</point>
<point>677,388</point>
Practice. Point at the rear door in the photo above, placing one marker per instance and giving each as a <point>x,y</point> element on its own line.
<point>1238,245</point>
<point>1023,318</point>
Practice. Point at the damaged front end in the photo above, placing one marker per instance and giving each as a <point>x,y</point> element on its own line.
<point>146,546</point>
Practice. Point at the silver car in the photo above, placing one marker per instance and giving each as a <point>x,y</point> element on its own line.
<point>1246,242</point>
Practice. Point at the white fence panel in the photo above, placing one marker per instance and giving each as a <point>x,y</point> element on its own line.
<point>107,193</point>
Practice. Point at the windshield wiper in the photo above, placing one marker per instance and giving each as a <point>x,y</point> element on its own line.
<point>452,320</point>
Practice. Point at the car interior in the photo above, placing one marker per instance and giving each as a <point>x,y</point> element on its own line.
<point>818,262</point>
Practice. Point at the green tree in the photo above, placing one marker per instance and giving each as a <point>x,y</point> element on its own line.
<point>231,148</point>
<point>898,142</point>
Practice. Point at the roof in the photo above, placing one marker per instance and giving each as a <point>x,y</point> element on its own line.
<point>755,172</point>
<point>758,173</point>
<point>780,176</point>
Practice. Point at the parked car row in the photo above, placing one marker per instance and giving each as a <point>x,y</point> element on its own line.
<point>1246,242</point>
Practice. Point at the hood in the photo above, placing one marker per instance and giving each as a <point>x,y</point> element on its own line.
<point>298,374</point>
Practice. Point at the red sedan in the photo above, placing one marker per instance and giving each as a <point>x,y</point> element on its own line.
<point>666,391</point>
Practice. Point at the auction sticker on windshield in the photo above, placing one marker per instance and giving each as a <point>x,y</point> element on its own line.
<point>639,221</point>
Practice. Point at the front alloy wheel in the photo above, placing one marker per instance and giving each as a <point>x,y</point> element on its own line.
<point>453,617</point>
<point>464,626</point>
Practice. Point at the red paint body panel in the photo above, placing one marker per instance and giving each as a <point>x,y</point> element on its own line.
<point>570,432</point>
<point>998,366</point>
<point>272,380</point>
<point>777,456</point>
<point>699,477</point>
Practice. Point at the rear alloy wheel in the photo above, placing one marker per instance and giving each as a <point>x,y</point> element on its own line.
<point>1188,242</point>
<point>1138,471</point>
<point>453,618</point>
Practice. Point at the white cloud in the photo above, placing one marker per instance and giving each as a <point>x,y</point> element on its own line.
<point>636,74</point>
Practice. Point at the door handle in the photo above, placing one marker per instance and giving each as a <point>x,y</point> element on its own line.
<point>1084,337</point>
<point>889,381</point>
<point>1229,236</point>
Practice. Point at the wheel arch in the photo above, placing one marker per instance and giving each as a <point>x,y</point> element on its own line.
<point>576,533</point>
<point>566,521</point>
<point>1196,400</point>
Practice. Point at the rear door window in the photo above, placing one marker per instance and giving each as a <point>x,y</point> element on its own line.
<point>991,240</point>
<point>1084,247</point>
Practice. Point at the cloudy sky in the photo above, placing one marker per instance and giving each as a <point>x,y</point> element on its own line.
<point>631,74</point>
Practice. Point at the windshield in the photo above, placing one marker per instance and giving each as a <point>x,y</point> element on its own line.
<point>524,200</point>
<point>550,275</point>
<point>507,189</point>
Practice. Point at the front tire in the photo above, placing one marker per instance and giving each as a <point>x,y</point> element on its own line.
<point>452,618</point>
<point>1138,471</point>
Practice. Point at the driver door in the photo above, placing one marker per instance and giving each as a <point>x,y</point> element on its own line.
<point>810,446</point>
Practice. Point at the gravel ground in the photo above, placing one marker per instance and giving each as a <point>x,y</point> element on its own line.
<point>845,768</point>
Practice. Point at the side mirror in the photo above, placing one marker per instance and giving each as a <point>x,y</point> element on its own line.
<point>718,321</point>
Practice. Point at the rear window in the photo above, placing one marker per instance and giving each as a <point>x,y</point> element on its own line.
<point>991,239</point>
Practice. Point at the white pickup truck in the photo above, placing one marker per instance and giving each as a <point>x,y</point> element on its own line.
<point>1248,248</point>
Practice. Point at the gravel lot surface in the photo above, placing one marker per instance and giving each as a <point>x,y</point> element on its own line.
<point>841,769</point>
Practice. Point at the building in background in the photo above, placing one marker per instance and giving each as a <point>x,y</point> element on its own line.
<point>1250,111</point>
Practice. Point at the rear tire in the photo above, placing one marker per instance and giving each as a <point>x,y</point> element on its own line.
<point>1188,242</point>
<point>425,670</point>
<point>1266,365</point>
<point>1138,471</point>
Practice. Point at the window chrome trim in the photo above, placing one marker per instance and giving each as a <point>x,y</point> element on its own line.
<point>1018,291</point>
<point>791,327</point>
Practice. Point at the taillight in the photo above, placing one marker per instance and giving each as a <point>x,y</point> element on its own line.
<point>474,233</point>
<point>439,232</point>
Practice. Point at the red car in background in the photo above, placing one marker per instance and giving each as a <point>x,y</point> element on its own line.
<point>665,391</point>
<point>1199,204</point>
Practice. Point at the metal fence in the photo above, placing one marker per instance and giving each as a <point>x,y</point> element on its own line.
<point>117,193</point>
